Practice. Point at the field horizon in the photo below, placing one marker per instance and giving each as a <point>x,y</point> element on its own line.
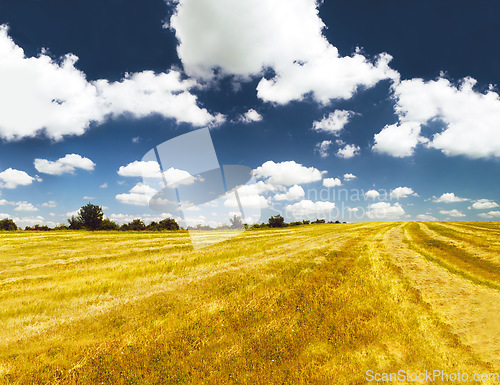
<point>319,303</point>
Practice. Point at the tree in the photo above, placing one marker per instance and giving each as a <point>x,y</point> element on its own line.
<point>108,224</point>
<point>236,222</point>
<point>7,224</point>
<point>277,221</point>
<point>91,216</point>
<point>74,223</point>
<point>135,225</point>
<point>168,224</point>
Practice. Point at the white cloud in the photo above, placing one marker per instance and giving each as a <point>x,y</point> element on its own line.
<point>174,177</point>
<point>482,204</point>
<point>243,38</point>
<point>349,176</point>
<point>452,213</point>
<point>449,198</point>
<point>325,77</point>
<point>426,217</point>
<point>12,178</point>
<point>287,173</point>
<point>247,201</point>
<point>39,94</point>
<point>402,192</point>
<point>353,209</point>
<point>149,169</point>
<point>322,148</point>
<point>67,164</point>
<point>384,210</point>
<point>469,118</point>
<point>348,151</point>
<point>372,194</point>
<point>49,204</point>
<point>295,192</point>
<point>139,195</point>
<point>25,206</point>
<point>251,116</point>
<point>307,208</point>
<point>490,215</point>
<point>334,122</point>
<point>398,140</point>
<point>104,185</point>
<point>332,182</point>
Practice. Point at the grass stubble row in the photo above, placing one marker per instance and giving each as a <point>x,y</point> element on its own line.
<point>312,304</point>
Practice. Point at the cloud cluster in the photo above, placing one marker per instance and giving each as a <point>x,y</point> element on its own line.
<point>306,208</point>
<point>139,195</point>
<point>322,148</point>
<point>384,210</point>
<point>402,192</point>
<point>251,116</point>
<point>483,204</point>
<point>295,192</point>
<point>67,164</point>
<point>246,37</point>
<point>12,178</point>
<point>39,94</point>
<point>449,198</point>
<point>452,213</point>
<point>287,173</point>
<point>468,119</point>
<point>348,151</point>
<point>332,182</point>
<point>334,122</point>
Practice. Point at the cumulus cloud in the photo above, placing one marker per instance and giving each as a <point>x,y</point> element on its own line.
<point>483,204</point>
<point>348,151</point>
<point>398,140</point>
<point>49,204</point>
<point>139,195</point>
<point>146,169</point>
<point>468,118</point>
<point>402,192</point>
<point>322,148</point>
<point>452,213</point>
<point>287,173</point>
<point>332,182</point>
<point>372,194</point>
<point>295,192</point>
<point>25,206</point>
<point>426,217</point>
<point>243,38</point>
<point>39,94</point>
<point>68,164</point>
<point>12,178</point>
<point>384,210</point>
<point>349,177</point>
<point>307,208</point>
<point>334,122</point>
<point>490,215</point>
<point>251,116</point>
<point>449,198</point>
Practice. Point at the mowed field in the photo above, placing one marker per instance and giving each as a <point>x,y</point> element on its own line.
<point>315,304</point>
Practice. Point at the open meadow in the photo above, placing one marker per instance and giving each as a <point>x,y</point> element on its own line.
<point>313,304</point>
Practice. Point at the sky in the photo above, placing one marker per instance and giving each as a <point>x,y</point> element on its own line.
<point>344,110</point>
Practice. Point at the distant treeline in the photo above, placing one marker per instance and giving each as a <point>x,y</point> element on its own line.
<point>90,217</point>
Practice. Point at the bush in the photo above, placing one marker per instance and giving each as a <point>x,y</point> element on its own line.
<point>108,224</point>
<point>277,221</point>
<point>38,228</point>
<point>135,225</point>
<point>8,224</point>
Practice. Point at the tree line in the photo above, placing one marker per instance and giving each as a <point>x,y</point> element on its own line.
<point>91,217</point>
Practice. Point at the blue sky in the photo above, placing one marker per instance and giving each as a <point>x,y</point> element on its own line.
<point>356,111</point>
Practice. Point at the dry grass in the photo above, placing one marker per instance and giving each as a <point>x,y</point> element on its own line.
<point>314,304</point>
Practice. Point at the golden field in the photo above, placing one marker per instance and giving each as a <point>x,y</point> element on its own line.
<point>314,304</point>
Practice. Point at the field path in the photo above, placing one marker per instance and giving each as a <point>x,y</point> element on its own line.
<point>471,310</point>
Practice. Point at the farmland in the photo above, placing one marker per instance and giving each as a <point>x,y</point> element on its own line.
<point>308,304</point>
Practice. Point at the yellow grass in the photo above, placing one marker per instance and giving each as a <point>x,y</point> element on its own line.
<point>312,304</point>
